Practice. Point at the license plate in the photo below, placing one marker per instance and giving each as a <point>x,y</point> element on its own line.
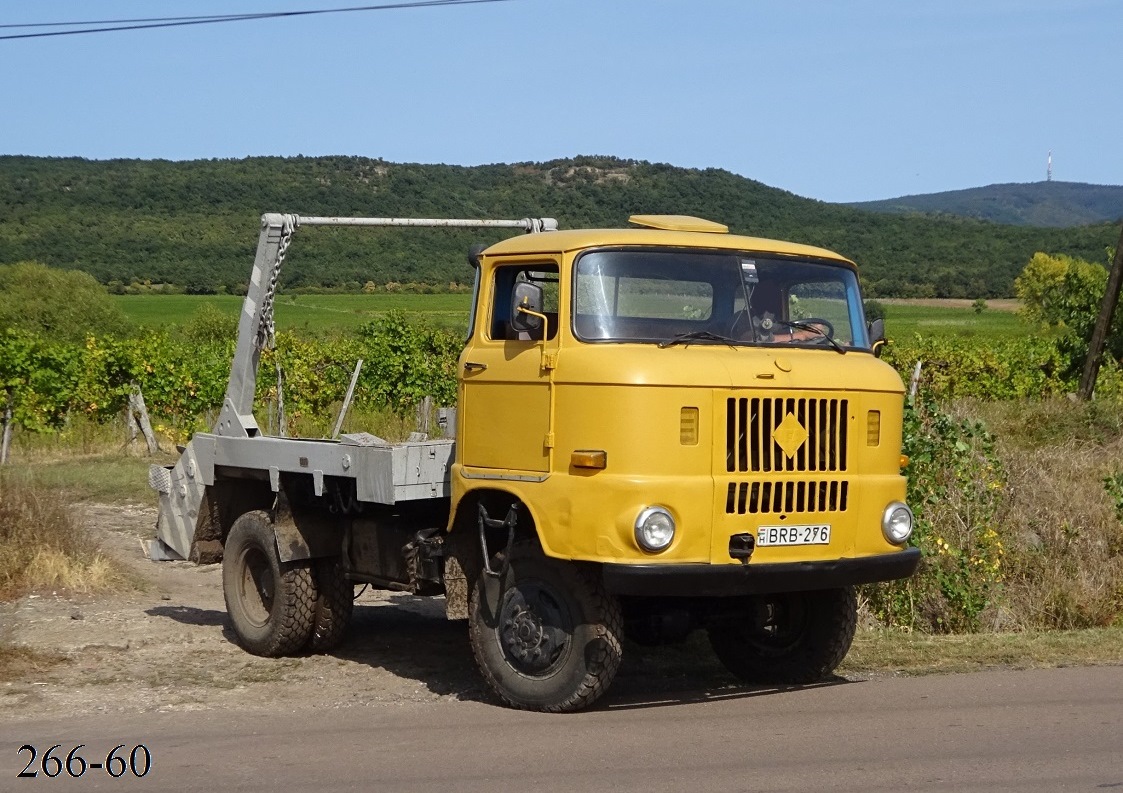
<point>817,534</point>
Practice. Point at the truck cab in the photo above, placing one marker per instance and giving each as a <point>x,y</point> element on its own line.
<point>722,388</point>
<point>697,419</point>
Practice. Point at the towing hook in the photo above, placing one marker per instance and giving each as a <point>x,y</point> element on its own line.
<point>741,547</point>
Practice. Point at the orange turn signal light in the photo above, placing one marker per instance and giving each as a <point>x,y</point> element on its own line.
<point>904,461</point>
<point>589,458</point>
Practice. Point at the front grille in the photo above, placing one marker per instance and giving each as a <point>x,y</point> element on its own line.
<point>786,497</point>
<point>785,434</point>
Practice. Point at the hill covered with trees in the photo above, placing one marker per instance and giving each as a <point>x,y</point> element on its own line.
<point>1056,204</point>
<point>195,224</point>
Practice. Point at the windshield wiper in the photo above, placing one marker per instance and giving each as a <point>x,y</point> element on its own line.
<point>800,325</point>
<point>697,335</point>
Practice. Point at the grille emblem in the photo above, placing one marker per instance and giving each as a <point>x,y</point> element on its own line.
<point>790,435</point>
<point>786,434</point>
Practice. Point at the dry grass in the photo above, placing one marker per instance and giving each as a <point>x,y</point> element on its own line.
<point>384,423</point>
<point>44,545</point>
<point>896,652</point>
<point>23,663</point>
<point>81,435</point>
<point>1062,534</point>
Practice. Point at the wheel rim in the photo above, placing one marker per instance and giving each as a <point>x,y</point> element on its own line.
<point>256,589</point>
<point>535,628</point>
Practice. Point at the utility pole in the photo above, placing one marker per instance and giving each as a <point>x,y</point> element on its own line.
<point>1103,323</point>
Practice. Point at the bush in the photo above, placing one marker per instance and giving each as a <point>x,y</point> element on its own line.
<point>1066,293</point>
<point>58,304</point>
<point>43,543</point>
<point>208,325</point>
<point>1113,484</point>
<point>407,362</point>
<point>1021,527</point>
<point>874,310</point>
<point>1032,367</point>
<point>956,487</point>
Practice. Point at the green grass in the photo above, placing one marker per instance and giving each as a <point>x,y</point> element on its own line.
<point>110,477</point>
<point>903,320</point>
<point>160,310</point>
<point>313,312</point>
<point>328,312</point>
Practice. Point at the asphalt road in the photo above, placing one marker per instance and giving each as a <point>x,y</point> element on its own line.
<point>1040,730</point>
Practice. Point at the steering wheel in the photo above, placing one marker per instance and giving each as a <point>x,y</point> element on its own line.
<point>827,326</point>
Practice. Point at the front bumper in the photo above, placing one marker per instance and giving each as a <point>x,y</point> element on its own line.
<point>725,580</point>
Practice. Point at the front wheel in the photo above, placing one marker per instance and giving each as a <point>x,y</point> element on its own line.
<point>545,634</point>
<point>793,637</point>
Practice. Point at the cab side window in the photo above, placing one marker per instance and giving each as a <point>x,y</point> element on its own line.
<point>544,275</point>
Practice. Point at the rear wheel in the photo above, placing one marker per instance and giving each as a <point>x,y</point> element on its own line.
<point>545,634</point>
<point>335,600</point>
<point>793,637</point>
<point>271,603</point>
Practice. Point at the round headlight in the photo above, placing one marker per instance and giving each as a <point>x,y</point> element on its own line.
<point>655,528</point>
<point>896,523</point>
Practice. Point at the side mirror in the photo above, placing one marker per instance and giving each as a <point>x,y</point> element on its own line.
<point>526,306</point>
<point>474,253</point>
<point>877,336</point>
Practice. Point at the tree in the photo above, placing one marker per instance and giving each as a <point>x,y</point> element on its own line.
<point>65,305</point>
<point>195,223</point>
<point>1066,293</point>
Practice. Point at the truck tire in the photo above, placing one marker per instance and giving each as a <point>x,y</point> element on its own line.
<point>545,634</point>
<point>335,600</point>
<point>794,637</point>
<point>271,603</point>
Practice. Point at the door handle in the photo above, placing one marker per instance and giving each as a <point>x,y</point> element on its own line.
<point>471,366</point>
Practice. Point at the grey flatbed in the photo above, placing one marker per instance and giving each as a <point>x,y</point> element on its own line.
<point>383,473</point>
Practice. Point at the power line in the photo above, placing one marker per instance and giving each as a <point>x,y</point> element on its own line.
<point>170,22</point>
<point>128,24</point>
<point>215,17</point>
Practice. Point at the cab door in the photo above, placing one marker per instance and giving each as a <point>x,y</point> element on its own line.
<point>506,377</point>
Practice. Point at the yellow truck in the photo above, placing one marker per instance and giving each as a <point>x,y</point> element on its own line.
<point>659,429</point>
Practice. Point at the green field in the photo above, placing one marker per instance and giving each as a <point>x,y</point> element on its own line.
<point>326,312</point>
<point>314,312</point>
<point>952,318</point>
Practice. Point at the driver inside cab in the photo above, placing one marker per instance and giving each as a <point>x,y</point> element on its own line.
<point>767,321</point>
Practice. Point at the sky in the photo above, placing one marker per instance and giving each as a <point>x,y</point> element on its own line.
<point>838,101</point>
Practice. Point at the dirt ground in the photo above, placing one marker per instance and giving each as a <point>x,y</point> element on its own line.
<point>167,647</point>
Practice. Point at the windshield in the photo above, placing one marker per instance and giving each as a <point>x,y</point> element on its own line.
<point>716,297</point>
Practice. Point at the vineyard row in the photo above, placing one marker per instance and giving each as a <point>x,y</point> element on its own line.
<point>183,376</point>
